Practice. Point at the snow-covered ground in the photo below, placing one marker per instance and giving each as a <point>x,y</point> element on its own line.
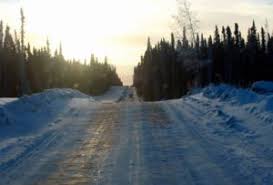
<point>218,135</point>
<point>264,87</point>
<point>228,134</point>
<point>4,101</point>
<point>115,94</point>
<point>25,121</point>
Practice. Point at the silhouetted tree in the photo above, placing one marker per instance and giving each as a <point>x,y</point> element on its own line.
<point>166,73</point>
<point>25,70</point>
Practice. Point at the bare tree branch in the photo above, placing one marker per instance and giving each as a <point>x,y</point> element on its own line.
<point>186,18</point>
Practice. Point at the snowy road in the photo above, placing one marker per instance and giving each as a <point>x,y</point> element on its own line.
<point>190,141</point>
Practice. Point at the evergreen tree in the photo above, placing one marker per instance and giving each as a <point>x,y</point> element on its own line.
<point>217,40</point>
<point>218,57</point>
<point>263,40</point>
<point>173,41</point>
<point>2,72</point>
<point>237,35</point>
<point>25,70</point>
<point>229,60</point>
<point>185,42</point>
<point>224,34</point>
<point>23,87</point>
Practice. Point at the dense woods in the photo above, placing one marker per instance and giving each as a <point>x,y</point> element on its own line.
<point>25,69</point>
<point>170,69</point>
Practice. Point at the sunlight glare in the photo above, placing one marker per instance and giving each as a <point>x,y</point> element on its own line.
<point>83,27</point>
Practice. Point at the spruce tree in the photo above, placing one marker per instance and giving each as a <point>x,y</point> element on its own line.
<point>229,38</point>
<point>224,35</point>
<point>24,87</point>
<point>263,47</point>
<point>185,42</point>
<point>217,40</point>
<point>172,41</point>
<point>237,35</point>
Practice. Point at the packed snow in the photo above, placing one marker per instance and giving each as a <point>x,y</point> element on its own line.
<point>24,120</point>
<point>114,94</point>
<point>234,128</point>
<point>66,137</point>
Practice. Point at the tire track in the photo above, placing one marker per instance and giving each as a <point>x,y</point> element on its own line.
<point>248,158</point>
<point>39,158</point>
<point>12,169</point>
<point>162,151</point>
<point>203,158</point>
<point>84,166</point>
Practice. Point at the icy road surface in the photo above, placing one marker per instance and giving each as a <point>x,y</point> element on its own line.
<point>122,141</point>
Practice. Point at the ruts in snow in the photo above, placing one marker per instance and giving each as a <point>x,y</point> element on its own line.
<point>209,138</point>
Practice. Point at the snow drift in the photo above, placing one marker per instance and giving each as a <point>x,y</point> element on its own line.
<point>264,87</point>
<point>41,105</point>
<point>260,105</point>
<point>238,96</point>
<point>29,119</point>
<point>233,123</point>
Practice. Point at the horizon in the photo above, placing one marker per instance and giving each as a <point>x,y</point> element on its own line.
<point>124,92</point>
<point>117,29</point>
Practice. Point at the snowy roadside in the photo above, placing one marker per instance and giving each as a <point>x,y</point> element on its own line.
<point>4,101</point>
<point>218,131</point>
<point>30,120</point>
<point>233,126</point>
<point>23,121</point>
<point>226,110</point>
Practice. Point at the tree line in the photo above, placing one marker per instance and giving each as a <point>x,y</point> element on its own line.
<point>25,69</point>
<point>171,68</point>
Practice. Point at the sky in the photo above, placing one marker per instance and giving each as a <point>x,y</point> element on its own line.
<point>119,29</point>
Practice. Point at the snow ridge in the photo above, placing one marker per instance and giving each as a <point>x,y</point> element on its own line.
<point>249,100</point>
<point>44,102</point>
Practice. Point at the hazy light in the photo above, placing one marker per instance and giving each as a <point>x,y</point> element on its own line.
<point>119,28</point>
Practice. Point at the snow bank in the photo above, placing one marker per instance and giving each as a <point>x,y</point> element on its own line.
<point>26,120</point>
<point>263,87</point>
<point>4,101</point>
<point>39,100</point>
<point>236,122</point>
<point>252,102</point>
<point>46,103</point>
<point>229,93</point>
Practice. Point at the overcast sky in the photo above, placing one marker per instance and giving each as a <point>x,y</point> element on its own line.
<point>119,29</point>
